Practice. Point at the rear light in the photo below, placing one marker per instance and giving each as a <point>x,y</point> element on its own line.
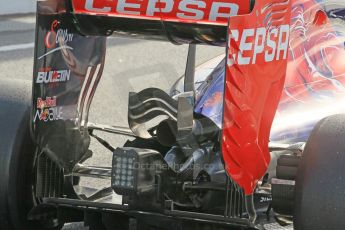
<point>134,171</point>
<point>123,173</point>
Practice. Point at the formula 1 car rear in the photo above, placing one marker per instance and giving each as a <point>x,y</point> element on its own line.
<point>203,154</point>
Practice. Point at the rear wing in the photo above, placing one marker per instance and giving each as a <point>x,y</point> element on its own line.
<point>69,60</point>
<point>180,21</point>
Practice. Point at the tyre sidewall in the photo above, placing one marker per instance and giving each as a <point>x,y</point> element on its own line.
<point>320,183</point>
<point>17,153</point>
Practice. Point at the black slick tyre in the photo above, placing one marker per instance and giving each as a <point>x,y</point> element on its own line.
<point>17,154</point>
<point>320,183</point>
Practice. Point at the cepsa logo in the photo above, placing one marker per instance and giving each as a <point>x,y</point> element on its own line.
<point>47,110</point>
<point>203,11</point>
<point>271,44</point>
<point>52,76</point>
<point>57,39</point>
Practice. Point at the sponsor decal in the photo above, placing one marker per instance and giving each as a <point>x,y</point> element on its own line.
<point>47,110</point>
<point>53,76</point>
<point>57,39</point>
<point>48,102</point>
<point>54,37</point>
<point>204,11</point>
<point>48,114</point>
<point>271,44</point>
<point>264,199</point>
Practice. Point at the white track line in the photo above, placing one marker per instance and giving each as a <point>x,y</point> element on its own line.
<point>16,47</point>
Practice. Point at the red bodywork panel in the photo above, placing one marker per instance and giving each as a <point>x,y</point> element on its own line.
<point>314,86</point>
<point>255,73</point>
<point>317,54</point>
<point>183,11</point>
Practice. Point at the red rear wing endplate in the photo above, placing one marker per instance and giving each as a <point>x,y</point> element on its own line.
<point>255,72</point>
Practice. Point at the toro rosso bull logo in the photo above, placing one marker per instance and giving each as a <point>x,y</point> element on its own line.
<point>57,39</point>
<point>202,11</point>
<point>47,110</point>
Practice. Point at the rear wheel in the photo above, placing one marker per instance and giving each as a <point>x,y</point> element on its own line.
<point>17,156</point>
<point>320,183</point>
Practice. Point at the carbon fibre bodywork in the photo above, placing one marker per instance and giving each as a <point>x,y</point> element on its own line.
<point>66,75</point>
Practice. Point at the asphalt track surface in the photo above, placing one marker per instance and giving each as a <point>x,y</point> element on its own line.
<point>130,65</point>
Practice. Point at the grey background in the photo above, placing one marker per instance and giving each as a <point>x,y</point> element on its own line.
<point>17,6</point>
